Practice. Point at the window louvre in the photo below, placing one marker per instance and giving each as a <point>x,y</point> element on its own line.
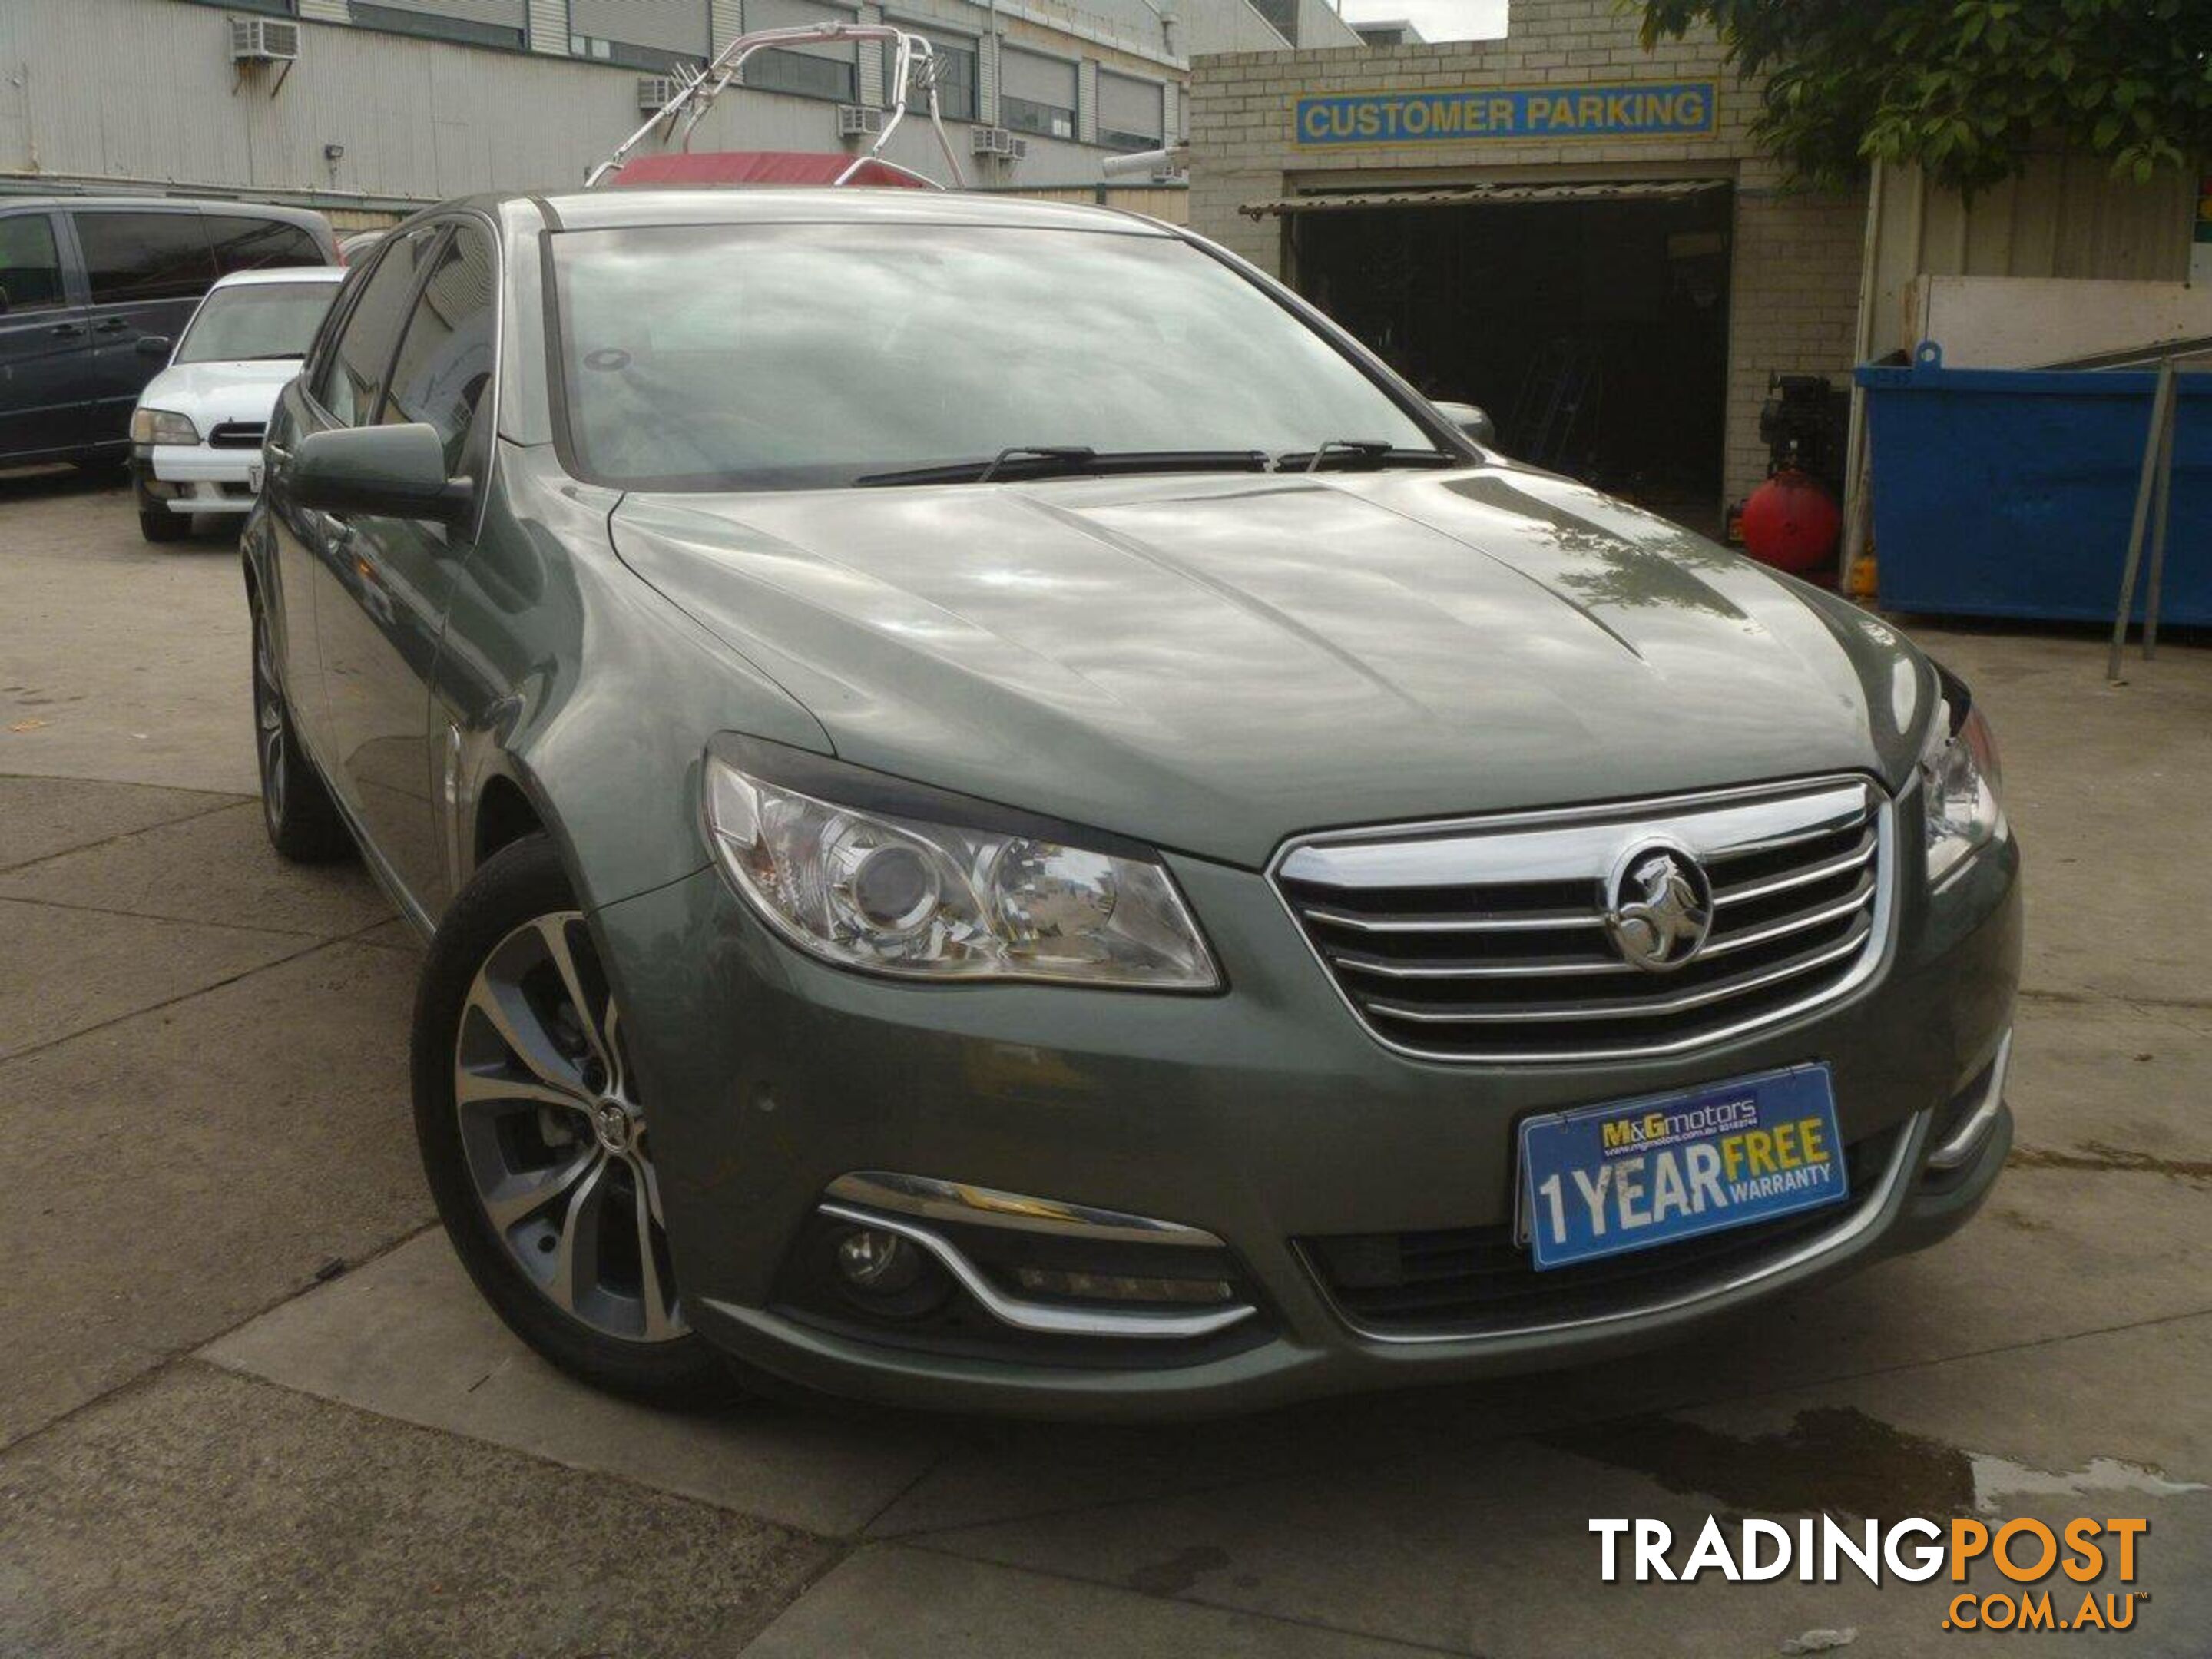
<point>674,26</point>
<point>478,22</point>
<point>1037,93</point>
<point>1131,112</point>
<point>817,71</point>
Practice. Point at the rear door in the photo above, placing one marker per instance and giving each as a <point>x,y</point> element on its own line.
<point>147,269</point>
<point>379,652</point>
<point>46,346</point>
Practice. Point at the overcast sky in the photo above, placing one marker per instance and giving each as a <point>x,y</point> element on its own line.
<point>1437,19</point>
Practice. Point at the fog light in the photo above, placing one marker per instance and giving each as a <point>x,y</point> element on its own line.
<point>881,1263</point>
<point>1122,1287</point>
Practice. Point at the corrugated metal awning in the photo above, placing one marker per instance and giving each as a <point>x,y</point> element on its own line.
<point>1635,189</point>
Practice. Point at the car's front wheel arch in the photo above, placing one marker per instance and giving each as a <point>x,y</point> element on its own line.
<point>535,1134</point>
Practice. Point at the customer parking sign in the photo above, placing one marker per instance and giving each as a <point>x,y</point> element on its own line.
<point>1641,109</point>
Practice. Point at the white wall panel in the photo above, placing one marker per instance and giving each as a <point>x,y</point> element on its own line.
<point>2066,217</point>
<point>418,120</point>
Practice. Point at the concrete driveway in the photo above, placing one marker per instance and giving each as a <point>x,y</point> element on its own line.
<point>249,1404</point>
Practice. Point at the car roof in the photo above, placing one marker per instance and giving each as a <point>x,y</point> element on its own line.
<point>601,210</point>
<point>282,274</point>
<point>100,203</point>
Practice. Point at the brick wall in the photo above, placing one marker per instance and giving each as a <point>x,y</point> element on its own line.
<point>1795,280</point>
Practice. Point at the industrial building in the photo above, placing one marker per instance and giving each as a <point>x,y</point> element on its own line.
<point>368,108</point>
<point>1581,235</point>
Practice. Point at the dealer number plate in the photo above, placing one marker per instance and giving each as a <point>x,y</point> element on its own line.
<point>1604,1179</point>
<point>253,476</point>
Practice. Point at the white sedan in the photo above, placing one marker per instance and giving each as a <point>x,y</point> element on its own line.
<point>196,435</point>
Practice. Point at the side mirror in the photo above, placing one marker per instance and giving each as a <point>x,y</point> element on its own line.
<point>1474,422</point>
<point>155,345</point>
<point>390,471</point>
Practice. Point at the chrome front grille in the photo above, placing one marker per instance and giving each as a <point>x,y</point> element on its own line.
<point>1486,940</point>
<point>237,435</point>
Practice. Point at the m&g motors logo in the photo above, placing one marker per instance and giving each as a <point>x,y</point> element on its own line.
<point>2044,1567</point>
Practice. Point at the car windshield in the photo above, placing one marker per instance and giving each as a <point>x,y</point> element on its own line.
<point>798,355</point>
<point>255,319</point>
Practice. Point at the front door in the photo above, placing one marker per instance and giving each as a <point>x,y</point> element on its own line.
<point>381,639</point>
<point>147,268</point>
<point>45,348</point>
<point>341,386</point>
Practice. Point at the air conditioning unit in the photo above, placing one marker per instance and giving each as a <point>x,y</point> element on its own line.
<point>858,121</point>
<point>996,141</point>
<point>654,92</point>
<point>264,40</point>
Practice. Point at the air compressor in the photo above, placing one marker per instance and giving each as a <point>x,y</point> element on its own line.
<point>1793,521</point>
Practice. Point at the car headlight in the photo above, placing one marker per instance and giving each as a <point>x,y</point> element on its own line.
<point>871,872</point>
<point>1959,782</point>
<point>162,426</point>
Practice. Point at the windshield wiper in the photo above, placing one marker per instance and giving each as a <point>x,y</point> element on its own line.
<point>1069,460</point>
<point>1366,454</point>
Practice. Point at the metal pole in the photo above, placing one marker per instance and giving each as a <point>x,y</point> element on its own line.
<point>2161,401</point>
<point>2158,520</point>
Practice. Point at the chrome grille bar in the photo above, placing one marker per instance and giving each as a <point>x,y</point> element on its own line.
<point>1647,1010</point>
<point>1860,854</point>
<point>1857,899</point>
<point>1466,940</point>
<point>1527,924</point>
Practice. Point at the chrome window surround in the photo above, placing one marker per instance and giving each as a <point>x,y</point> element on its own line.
<point>1877,1206</point>
<point>1447,852</point>
<point>1042,1318</point>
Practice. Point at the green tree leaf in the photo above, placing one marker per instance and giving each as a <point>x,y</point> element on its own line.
<point>1961,87</point>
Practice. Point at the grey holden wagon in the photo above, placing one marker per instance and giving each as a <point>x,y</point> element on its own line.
<point>1005,818</point>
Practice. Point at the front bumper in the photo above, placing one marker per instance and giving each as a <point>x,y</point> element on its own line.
<point>1263,1116</point>
<point>196,478</point>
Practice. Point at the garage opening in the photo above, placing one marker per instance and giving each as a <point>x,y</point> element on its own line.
<point>1590,320</point>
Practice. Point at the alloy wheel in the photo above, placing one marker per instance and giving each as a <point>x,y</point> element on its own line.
<point>555,1139</point>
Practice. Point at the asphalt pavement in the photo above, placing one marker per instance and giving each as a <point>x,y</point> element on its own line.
<point>249,1404</point>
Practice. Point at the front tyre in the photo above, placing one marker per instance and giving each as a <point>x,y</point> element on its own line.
<point>537,1143</point>
<point>156,523</point>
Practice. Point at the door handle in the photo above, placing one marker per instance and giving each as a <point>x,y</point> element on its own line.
<point>67,330</point>
<point>110,326</point>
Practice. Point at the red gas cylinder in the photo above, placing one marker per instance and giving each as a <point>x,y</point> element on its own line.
<point>1791,523</point>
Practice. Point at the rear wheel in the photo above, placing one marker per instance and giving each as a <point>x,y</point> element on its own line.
<point>535,1139</point>
<point>296,809</point>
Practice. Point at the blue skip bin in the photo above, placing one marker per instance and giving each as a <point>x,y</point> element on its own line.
<point>1624,1176</point>
<point>2010,492</point>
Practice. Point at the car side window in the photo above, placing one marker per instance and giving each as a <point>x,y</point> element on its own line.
<point>445,361</point>
<point>242,244</point>
<point>351,383</point>
<point>144,256</point>
<point>30,264</point>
